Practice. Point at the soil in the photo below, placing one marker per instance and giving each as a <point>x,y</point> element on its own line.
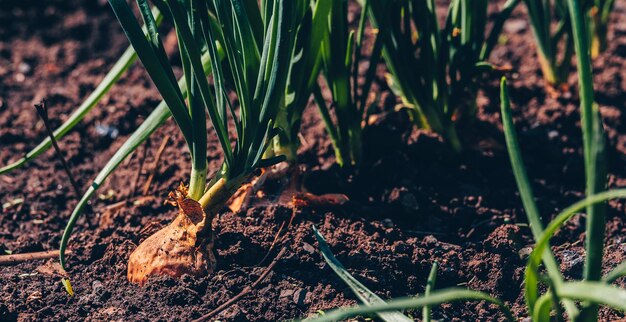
<point>413,202</point>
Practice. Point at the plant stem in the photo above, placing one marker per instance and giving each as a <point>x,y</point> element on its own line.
<point>599,17</point>
<point>198,116</point>
<point>548,69</point>
<point>328,121</point>
<point>590,119</point>
<point>527,196</point>
<point>282,145</point>
<point>356,144</point>
<point>218,194</point>
<point>197,182</point>
<point>593,142</point>
<point>430,285</point>
<point>452,138</point>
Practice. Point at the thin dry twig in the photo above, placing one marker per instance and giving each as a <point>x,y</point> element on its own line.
<point>141,163</point>
<point>146,186</point>
<point>42,110</point>
<point>246,290</point>
<point>278,236</point>
<point>14,259</point>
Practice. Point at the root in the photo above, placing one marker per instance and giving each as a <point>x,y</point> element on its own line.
<point>182,247</point>
<point>325,201</point>
<point>556,91</point>
<point>291,194</point>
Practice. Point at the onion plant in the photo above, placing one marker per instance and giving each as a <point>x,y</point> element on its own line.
<point>555,46</point>
<point>214,35</point>
<point>433,68</point>
<point>342,55</point>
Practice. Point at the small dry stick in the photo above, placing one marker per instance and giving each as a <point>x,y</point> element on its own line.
<point>246,290</point>
<point>42,110</point>
<point>13,259</point>
<point>157,159</point>
<point>141,162</point>
<point>278,237</point>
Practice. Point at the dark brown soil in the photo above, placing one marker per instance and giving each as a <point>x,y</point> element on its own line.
<point>412,204</point>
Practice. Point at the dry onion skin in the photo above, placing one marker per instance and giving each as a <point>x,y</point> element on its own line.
<point>182,247</point>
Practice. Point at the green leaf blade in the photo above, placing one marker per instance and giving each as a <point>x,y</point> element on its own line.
<point>363,293</point>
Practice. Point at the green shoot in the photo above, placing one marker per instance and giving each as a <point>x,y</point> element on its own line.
<point>305,67</point>
<point>341,57</point>
<point>434,69</point>
<point>554,65</point>
<point>363,293</point>
<point>595,173</point>
<point>430,286</point>
<point>593,141</point>
<point>527,196</point>
<point>594,154</point>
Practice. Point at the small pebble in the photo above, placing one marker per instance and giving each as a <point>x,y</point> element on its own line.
<point>24,68</point>
<point>107,130</point>
<point>515,25</point>
<point>308,248</point>
<point>97,287</point>
<point>571,260</point>
<point>525,252</point>
<point>286,293</point>
<point>553,135</point>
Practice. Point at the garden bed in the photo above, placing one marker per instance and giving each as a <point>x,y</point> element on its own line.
<point>413,203</point>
